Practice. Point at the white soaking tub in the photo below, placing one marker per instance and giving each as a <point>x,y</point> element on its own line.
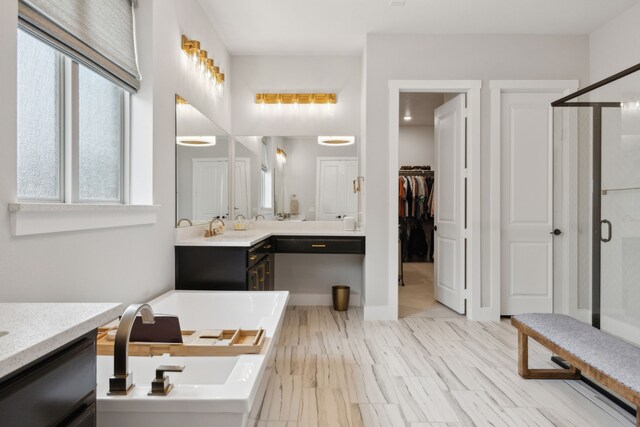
<point>211,391</point>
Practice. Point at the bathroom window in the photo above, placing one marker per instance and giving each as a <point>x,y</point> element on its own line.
<point>72,129</point>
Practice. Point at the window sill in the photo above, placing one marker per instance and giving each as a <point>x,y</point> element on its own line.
<point>41,218</point>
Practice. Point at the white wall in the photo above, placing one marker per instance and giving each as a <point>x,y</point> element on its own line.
<point>120,264</point>
<point>415,146</point>
<point>615,46</point>
<point>268,74</point>
<point>464,57</point>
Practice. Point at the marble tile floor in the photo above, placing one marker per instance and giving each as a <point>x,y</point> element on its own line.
<point>336,370</point>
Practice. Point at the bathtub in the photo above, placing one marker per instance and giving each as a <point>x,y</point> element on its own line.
<point>211,391</point>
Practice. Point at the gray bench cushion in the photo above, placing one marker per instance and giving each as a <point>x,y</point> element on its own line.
<point>612,356</point>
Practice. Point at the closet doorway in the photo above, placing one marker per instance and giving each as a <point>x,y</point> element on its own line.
<point>431,204</point>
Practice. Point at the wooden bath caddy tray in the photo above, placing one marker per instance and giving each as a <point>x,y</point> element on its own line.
<point>210,342</point>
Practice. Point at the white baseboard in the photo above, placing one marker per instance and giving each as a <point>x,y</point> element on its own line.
<point>320,299</point>
<point>380,312</point>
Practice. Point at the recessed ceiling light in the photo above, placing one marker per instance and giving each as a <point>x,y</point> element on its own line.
<point>397,2</point>
<point>196,141</point>
<point>335,141</point>
<point>407,118</point>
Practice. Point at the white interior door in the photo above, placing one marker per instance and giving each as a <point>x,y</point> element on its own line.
<point>450,136</point>
<point>210,188</point>
<point>527,202</point>
<point>334,189</point>
<point>243,187</point>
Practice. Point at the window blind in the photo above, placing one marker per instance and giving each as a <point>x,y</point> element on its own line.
<point>100,34</point>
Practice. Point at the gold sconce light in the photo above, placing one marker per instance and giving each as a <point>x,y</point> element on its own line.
<point>296,98</point>
<point>181,101</point>
<point>281,155</point>
<point>203,63</point>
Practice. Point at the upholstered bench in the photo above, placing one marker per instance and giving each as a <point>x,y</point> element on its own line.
<point>612,362</point>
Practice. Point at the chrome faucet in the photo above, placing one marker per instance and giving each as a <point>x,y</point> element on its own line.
<point>184,219</point>
<point>240,216</point>
<point>259,216</point>
<point>210,232</point>
<point>122,380</point>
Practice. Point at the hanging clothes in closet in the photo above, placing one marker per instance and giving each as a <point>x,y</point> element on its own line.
<point>415,211</point>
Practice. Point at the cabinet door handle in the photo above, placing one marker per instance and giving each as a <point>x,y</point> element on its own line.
<point>318,246</point>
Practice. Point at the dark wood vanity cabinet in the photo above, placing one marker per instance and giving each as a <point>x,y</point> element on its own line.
<point>215,268</point>
<point>320,244</point>
<point>218,268</point>
<point>56,390</point>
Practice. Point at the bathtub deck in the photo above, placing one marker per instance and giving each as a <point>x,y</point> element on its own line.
<point>334,369</point>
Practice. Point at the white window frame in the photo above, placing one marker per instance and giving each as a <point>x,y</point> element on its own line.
<point>69,212</point>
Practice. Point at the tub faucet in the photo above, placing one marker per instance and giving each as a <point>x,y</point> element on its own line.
<point>184,219</point>
<point>122,380</point>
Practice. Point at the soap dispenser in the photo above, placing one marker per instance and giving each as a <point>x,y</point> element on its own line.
<point>295,206</point>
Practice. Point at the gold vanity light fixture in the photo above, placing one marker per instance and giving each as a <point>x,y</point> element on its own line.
<point>181,101</point>
<point>296,98</point>
<point>336,141</point>
<point>281,155</point>
<point>196,141</point>
<point>203,63</point>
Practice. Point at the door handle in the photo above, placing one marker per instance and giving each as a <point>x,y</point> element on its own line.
<point>556,232</point>
<point>610,231</point>
<point>435,228</point>
<point>318,246</point>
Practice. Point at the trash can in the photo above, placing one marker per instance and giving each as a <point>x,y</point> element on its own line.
<point>340,295</point>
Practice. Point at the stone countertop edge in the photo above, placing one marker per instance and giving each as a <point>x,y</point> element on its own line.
<point>255,236</point>
<point>37,329</point>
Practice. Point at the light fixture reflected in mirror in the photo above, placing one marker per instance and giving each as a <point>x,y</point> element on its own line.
<point>281,155</point>
<point>196,141</point>
<point>336,141</point>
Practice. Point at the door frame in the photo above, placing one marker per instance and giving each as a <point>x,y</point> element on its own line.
<point>472,89</point>
<point>498,87</point>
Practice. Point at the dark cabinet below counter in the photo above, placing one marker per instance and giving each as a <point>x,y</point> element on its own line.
<point>222,268</point>
<point>320,245</point>
<point>56,390</point>
<point>226,268</point>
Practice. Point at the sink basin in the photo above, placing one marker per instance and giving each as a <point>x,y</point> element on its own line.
<point>3,333</point>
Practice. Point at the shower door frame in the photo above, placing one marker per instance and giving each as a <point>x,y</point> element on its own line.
<point>596,249</point>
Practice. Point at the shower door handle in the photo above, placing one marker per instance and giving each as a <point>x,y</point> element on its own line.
<point>610,231</point>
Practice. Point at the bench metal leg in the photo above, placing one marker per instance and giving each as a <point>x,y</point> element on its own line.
<point>550,374</point>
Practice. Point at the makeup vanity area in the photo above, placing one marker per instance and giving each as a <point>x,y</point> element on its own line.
<point>295,202</point>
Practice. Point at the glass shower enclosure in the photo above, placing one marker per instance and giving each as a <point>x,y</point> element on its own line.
<point>597,205</point>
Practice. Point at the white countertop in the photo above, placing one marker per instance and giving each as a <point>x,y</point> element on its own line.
<point>36,329</point>
<point>246,238</point>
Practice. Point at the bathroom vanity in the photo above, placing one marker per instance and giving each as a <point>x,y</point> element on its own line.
<point>48,362</point>
<point>296,190</point>
<point>246,260</point>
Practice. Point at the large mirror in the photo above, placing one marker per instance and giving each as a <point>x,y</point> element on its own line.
<point>287,178</point>
<point>202,166</point>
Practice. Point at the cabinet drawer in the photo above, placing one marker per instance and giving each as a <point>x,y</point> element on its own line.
<point>320,245</point>
<point>51,391</point>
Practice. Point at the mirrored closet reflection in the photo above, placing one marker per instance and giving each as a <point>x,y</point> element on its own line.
<point>274,178</point>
